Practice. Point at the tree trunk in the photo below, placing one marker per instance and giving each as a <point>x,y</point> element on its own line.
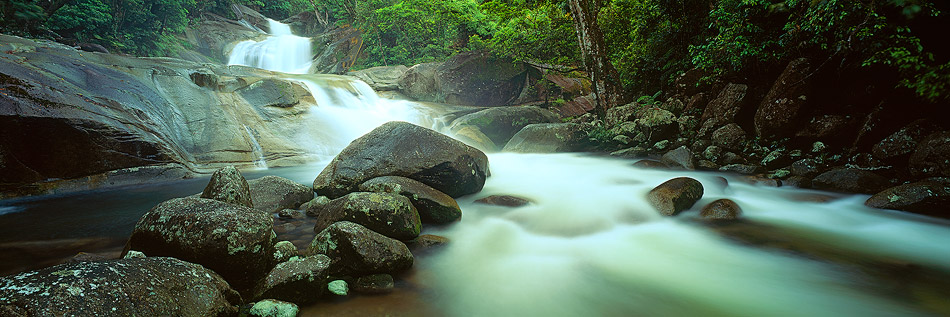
<point>607,88</point>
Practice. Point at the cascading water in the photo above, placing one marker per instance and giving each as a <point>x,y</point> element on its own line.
<point>256,149</point>
<point>281,51</point>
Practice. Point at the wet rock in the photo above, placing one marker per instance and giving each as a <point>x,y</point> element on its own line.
<point>87,257</point>
<point>272,92</point>
<point>404,149</point>
<point>381,78</point>
<point>656,124</point>
<point>503,200</point>
<point>474,137</point>
<point>730,158</point>
<point>727,105</point>
<point>283,251</point>
<point>901,144</point>
<point>721,209</point>
<point>433,206</point>
<point>805,167</point>
<point>211,233</point>
<point>775,159</point>
<point>797,181</point>
<point>548,138</point>
<point>681,157</point>
<point>132,254</point>
<point>650,164</point>
<point>131,287</point>
<point>850,180</point>
<point>707,165</point>
<point>339,288</point>
<point>315,206</point>
<point>426,242</point>
<point>730,137</point>
<point>299,280</point>
<point>374,284</point>
<point>835,129</point>
<point>931,158</point>
<point>782,108</point>
<point>273,193</point>
<point>742,169</point>
<point>712,153</point>
<point>356,250</point>
<point>204,78</point>
<point>389,214</point>
<point>621,114</point>
<point>675,195</point>
<point>473,78</point>
<point>929,197</point>
<point>273,308</point>
<point>228,185</point>
<point>760,181</point>
<point>500,124</point>
<point>290,214</point>
<point>632,152</point>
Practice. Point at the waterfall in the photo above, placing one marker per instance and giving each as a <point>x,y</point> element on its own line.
<point>282,51</point>
<point>256,149</point>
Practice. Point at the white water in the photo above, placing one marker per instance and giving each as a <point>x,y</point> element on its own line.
<point>256,149</point>
<point>281,51</point>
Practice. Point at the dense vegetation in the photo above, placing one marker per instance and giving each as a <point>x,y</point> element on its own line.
<point>649,41</point>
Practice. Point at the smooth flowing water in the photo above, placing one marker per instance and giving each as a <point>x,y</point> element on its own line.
<point>587,245</point>
<point>281,51</point>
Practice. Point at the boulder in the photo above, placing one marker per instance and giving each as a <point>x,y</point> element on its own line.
<point>270,92</point>
<point>548,138</point>
<point>725,108</point>
<point>680,158</point>
<point>743,169</point>
<point>374,284</point>
<point>389,214</point>
<point>834,129</point>
<point>656,124</point>
<point>404,149</point>
<point>805,167</point>
<point>850,180</point>
<point>730,137</point>
<point>381,78</point>
<point>503,200</point>
<point>433,206</point>
<point>931,156</point>
<point>929,197</point>
<point>301,280</point>
<point>675,195</point>
<point>235,241</point>
<point>315,206</point>
<point>229,186</point>
<point>273,193</point>
<point>780,112</point>
<point>721,209</point>
<point>650,164</point>
<point>356,250</point>
<point>475,78</point>
<point>500,124</point>
<point>339,288</point>
<point>426,242</point>
<point>283,251</point>
<point>621,114</point>
<point>154,286</point>
<point>273,308</point>
<point>901,144</point>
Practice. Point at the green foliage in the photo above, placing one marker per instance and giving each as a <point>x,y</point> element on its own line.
<point>417,31</point>
<point>278,9</point>
<point>535,33</point>
<point>650,100</point>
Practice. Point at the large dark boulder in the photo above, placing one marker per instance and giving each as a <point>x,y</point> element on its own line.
<point>153,286</point>
<point>356,250</point>
<point>500,124</point>
<point>392,215</point>
<point>235,241</point>
<point>781,111</point>
<point>408,150</point>
<point>850,180</point>
<point>273,193</point>
<point>300,280</point>
<point>928,197</point>
<point>474,78</point>
<point>434,206</point>
<point>730,137</point>
<point>931,156</point>
<point>621,114</point>
<point>229,186</point>
<point>901,144</point>
<point>680,158</point>
<point>656,124</point>
<point>675,195</point>
<point>721,209</point>
<point>724,109</point>
<point>549,138</point>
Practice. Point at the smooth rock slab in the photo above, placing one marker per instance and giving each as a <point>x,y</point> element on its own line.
<point>300,280</point>
<point>228,185</point>
<point>850,180</point>
<point>356,250</point>
<point>235,241</point>
<point>404,149</point>
<point>273,193</point>
<point>434,206</point>
<point>392,215</point>
<point>675,195</point>
<point>154,286</point>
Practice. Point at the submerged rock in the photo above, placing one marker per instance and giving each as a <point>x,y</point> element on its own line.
<point>426,242</point>
<point>434,206</point>
<point>721,209</point>
<point>675,195</point>
<point>339,288</point>
<point>273,193</point>
<point>155,286</point>
<point>503,200</point>
<point>228,185</point>
<point>404,149</point>
<point>356,250</point>
<point>389,214</point>
<point>235,241</point>
<point>548,138</point>
<point>273,308</point>
<point>300,280</point>
<point>374,284</point>
<point>928,197</point>
<point>850,180</point>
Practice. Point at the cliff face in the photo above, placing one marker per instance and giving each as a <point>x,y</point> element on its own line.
<point>66,114</point>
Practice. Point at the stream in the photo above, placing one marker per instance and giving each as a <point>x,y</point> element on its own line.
<point>588,244</point>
